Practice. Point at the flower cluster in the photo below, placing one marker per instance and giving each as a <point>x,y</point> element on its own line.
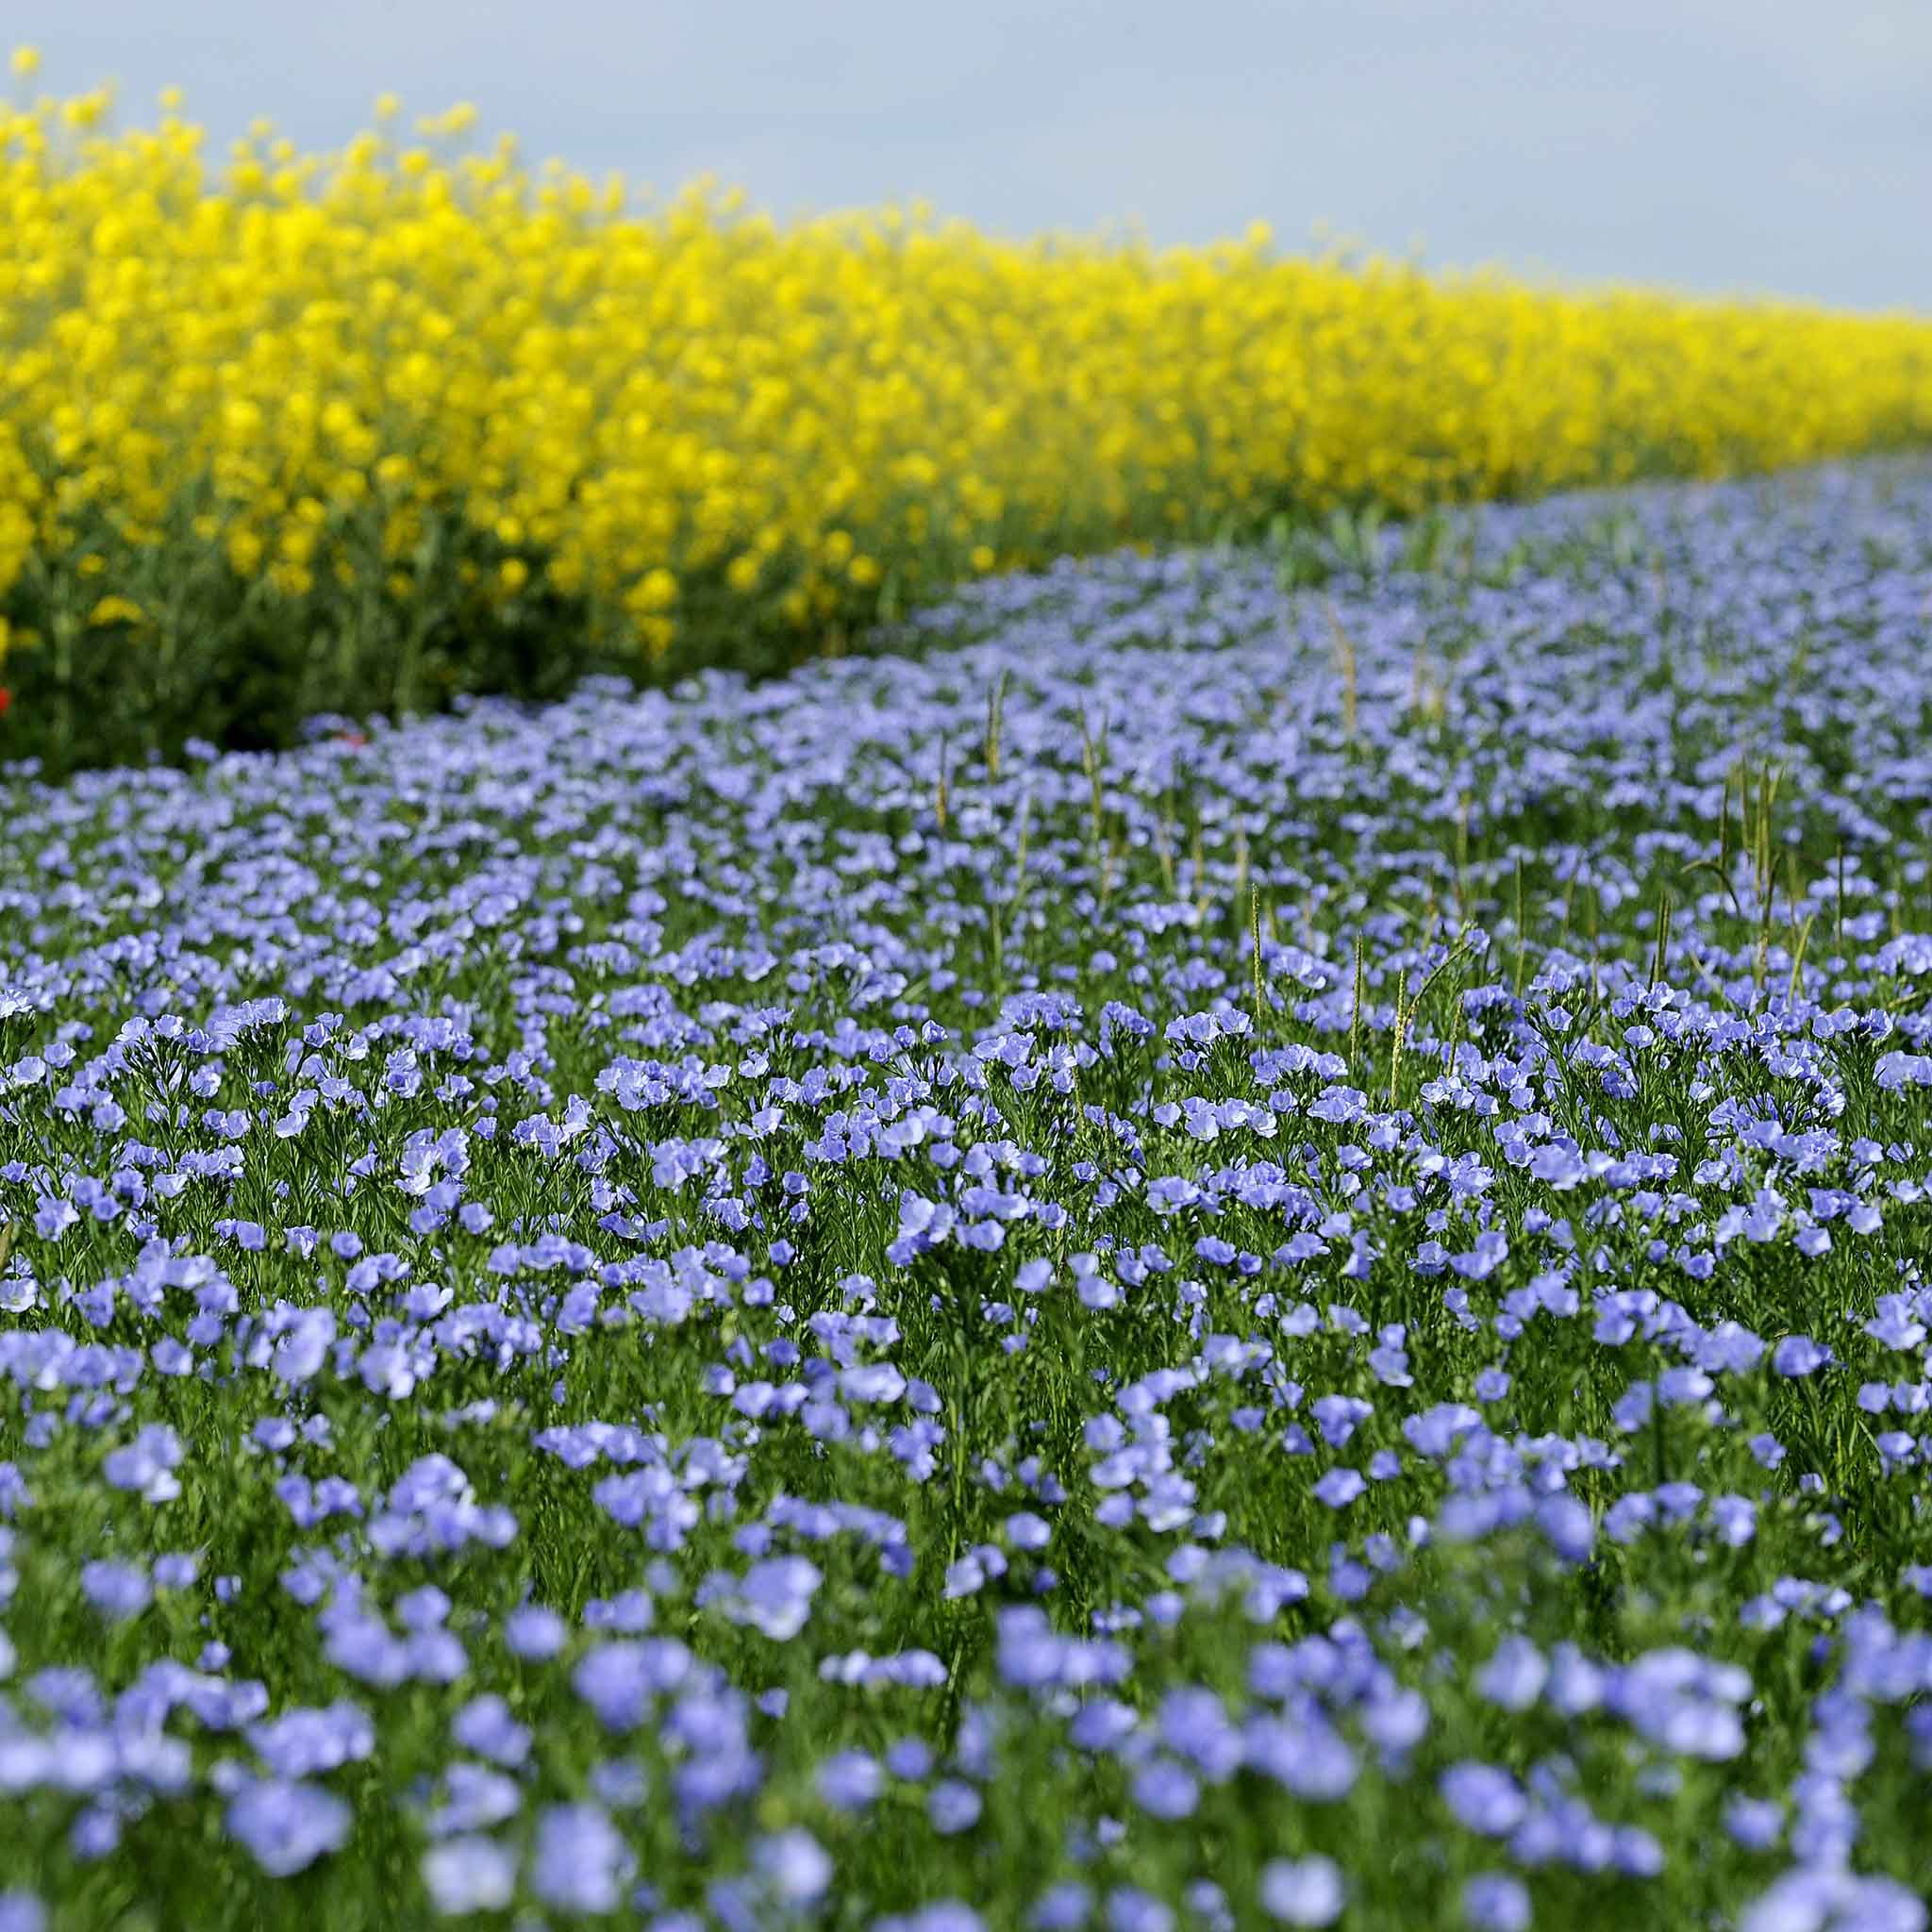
<point>1193,1255</point>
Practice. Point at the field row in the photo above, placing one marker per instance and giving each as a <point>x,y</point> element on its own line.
<point>286,433</point>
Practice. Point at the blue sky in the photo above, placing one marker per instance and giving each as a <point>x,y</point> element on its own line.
<point>1762,146</point>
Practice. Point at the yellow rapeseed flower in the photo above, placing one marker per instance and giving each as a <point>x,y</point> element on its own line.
<point>389,359</point>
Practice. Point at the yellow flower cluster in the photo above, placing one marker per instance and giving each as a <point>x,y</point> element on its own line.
<point>317,362</point>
